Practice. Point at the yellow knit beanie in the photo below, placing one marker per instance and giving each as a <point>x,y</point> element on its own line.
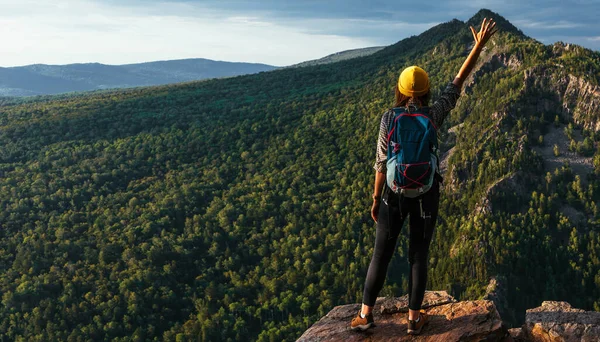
<point>413,82</point>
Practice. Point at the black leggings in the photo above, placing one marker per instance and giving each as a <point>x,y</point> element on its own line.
<point>390,220</point>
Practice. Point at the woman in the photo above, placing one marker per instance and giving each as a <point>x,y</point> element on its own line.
<point>412,91</point>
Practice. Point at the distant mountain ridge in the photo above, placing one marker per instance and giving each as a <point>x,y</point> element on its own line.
<point>341,56</point>
<point>42,79</point>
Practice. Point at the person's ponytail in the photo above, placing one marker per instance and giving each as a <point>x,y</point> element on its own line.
<point>402,100</point>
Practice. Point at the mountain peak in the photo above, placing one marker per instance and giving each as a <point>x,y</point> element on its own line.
<point>501,23</point>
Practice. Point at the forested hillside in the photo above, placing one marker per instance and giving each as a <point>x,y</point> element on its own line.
<point>238,209</point>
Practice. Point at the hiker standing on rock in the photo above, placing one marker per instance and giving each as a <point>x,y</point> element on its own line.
<point>407,182</point>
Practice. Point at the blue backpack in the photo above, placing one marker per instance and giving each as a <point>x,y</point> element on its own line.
<point>412,159</point>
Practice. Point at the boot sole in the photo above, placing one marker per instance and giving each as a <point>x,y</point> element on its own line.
<point>363,327</point>
<point>416,332</point>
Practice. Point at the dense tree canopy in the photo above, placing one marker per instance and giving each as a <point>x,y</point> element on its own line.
<point>238,209</point>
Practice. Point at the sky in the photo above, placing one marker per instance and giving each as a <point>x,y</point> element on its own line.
<point>275,32</point>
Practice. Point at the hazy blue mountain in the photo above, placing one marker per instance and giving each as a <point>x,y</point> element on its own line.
<point>341,56</point>
<point>41,79</point>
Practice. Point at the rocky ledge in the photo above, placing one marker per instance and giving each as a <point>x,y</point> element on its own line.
<point>558,321</point>
<point>450,320</point>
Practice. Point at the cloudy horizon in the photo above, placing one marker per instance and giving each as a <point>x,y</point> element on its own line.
<point>272,32</point>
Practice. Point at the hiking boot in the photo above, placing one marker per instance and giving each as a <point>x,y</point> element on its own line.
<point>415,326</point>
<point>359,323</point>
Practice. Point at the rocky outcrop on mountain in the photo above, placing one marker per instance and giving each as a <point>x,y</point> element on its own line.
<point>507,184</point>
<point>497,293</point>
<point>492,62</point>
<point>582,100</point>
<point>558,321</point>
<point>501,60</point>
<point>575,96</point>
<point>444,160</point>
<point>450,320</point>
<point>555,137</point>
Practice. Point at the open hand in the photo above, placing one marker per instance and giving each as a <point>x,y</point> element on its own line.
<point>487,30</point>
<point>481,37</point>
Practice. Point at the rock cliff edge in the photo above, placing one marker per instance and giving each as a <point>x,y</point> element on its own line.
<point>450,320</point>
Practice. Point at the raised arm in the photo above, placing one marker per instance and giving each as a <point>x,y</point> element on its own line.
<point>481,38</point>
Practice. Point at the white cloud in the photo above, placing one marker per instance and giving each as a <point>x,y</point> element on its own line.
<point>71,31</point>
<point>253,21</point>
<point>547,25</point>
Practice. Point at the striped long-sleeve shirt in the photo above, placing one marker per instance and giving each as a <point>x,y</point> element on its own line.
<point>438,111</point>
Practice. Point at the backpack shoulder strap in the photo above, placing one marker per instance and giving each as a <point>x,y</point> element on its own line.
<point>423,112</point>
<point>398,110</point>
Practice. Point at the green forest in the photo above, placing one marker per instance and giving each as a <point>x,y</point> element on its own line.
<point>238,209</point>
